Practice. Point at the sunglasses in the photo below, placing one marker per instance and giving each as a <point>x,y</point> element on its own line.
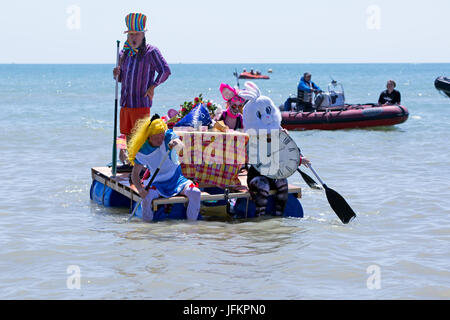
<point>236,100</point>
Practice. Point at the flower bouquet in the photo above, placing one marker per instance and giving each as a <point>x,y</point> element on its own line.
<point>187,106</point>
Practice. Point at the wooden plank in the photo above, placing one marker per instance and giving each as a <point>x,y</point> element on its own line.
<point>214,197</point>
<point>292,188</point>
<point>122,178</point>
<point>204,197</point>
<point>121,184</point>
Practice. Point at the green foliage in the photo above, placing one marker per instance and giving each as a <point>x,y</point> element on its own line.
<point>187,106</point>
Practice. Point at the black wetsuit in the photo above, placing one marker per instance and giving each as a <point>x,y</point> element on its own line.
<point>389,98</point>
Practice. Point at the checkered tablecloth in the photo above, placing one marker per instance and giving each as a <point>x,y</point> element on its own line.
<point>215,158</point>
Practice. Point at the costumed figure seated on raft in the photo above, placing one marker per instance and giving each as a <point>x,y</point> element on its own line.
<point>149,143</point>
<point>232,116</point>
<point>260,113</point>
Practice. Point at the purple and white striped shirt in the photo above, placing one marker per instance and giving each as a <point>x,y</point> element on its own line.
<point>138,74</point>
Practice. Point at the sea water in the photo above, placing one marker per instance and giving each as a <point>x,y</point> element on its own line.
<point>55,243</point>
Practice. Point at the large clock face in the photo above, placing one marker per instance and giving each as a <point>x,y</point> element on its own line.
<point>282,160</point>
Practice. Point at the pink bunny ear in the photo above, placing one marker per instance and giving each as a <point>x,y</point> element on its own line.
<point>252,87</point>
<point>247,95</point>
<point>227,91</point>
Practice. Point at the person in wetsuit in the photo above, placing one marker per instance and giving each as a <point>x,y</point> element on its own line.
<point>390,95</point>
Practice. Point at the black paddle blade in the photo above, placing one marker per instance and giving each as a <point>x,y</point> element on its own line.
<point>339,205</point>
<point>309,181</point>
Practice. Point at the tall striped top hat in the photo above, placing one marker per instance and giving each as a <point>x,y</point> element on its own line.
<point>135,22</point>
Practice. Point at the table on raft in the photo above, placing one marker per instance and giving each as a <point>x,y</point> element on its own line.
<point>211,159</point>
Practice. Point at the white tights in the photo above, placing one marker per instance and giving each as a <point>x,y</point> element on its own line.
<point>193,194</point>
<point>193,209</point>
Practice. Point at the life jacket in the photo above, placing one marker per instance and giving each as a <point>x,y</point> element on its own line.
<point>305,96</point>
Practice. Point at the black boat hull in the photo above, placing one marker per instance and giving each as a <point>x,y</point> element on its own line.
<point>443,85</point>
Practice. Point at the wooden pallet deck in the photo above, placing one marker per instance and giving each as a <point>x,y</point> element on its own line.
<point>121,184</point>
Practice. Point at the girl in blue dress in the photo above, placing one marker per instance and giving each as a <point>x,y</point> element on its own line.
<point>149,143</point>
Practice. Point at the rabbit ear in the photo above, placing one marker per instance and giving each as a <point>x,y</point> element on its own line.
<point>247,95</point>
<point>227,91</point>
<point>253,87</point>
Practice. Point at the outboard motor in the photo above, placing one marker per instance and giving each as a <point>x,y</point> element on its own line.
<point>291,104</point>
<point>321,100</point>
<point>333,98</point>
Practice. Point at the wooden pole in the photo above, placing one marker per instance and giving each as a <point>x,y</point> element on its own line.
<point>114,151</point>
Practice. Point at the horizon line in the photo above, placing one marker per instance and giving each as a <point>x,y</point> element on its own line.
<point>224,63</point>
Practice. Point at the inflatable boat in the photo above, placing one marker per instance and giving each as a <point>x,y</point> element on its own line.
<point>331,112</point>
<point>217,203</point>
<point>248,75</point>
<point>346,117</point>
<point>442,84</point>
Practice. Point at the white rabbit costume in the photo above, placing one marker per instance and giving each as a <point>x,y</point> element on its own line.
<point>261,113</point>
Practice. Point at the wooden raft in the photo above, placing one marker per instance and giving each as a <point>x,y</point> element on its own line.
<point>121,184</point>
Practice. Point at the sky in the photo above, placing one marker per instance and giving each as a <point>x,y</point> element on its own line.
<point>232,31</point>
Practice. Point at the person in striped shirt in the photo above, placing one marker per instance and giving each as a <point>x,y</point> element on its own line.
<point>141,69</point>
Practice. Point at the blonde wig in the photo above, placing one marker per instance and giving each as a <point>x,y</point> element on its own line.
<point>141,131</point>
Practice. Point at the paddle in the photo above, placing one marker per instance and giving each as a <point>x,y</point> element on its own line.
<point>309,181</point>
<point>150,183</point>
<point>336,201</point>
<point>114,151</point>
